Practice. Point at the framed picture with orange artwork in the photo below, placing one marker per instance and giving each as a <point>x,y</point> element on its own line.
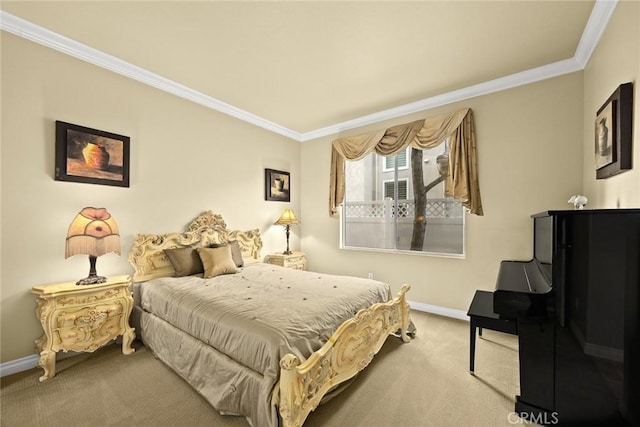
<point>91,156</point>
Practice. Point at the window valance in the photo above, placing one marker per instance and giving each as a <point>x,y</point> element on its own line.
<point>462,182</point>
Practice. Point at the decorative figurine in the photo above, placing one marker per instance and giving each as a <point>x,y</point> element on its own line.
<point>579,202</point>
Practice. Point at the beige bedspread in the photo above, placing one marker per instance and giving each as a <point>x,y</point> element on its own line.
<point>258,315</point>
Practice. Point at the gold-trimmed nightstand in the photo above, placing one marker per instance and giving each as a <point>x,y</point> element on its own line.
<point>82,318</point>
<point>296,260</point>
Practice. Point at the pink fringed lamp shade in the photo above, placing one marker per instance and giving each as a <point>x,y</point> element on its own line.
<point>92,232</point>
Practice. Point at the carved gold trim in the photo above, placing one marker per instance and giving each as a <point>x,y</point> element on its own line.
<point>88,299</point>
<point>250,242</point>
<point>296,260</point>
<point>349,350</point>
<point>147,253</point>
<point>302,385</point>
<point>83,318</point>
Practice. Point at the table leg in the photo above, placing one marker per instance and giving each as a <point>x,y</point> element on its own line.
<point>127,339</point>
<point>472,344</point>
<point>48,363</point>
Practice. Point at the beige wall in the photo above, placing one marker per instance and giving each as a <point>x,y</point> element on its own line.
<point>536,149</point>
<point>184,159</point>
<point>529,146</point>
<point>616,60</point>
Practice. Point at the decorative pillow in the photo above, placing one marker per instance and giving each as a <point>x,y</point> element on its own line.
<point>236,252</point>
<point>217,261</point>
<point>185,261</point>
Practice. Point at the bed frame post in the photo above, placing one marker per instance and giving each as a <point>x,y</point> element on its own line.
<point>289,390</point>
<point>349,350</point>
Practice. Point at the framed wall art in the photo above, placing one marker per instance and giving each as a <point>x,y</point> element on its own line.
<point>91,156</point>
<point>613,133</point>
<point>277,186</point>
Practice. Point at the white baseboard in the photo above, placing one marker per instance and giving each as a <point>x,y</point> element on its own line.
<point>595,350</point>
<point>603,352</point>
<point>441,311</point>
<point>19,365</point>
<point>30,362</point>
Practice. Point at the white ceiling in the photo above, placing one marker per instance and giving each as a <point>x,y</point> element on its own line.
<point>305,69</point>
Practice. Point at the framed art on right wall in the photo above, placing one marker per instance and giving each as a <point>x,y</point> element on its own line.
<point>613,133</point>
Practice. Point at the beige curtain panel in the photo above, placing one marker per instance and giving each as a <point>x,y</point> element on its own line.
<point>462,182</point>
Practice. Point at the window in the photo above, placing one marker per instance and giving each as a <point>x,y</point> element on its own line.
<point>390,189</point>
<point>389,162</point>
<point>379,209</point>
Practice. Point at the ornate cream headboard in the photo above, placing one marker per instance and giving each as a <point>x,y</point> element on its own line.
<point>147,253</point>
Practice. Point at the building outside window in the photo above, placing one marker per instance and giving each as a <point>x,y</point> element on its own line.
<point>391,186</point>
<point>379,209</point>
<point>401,159</point>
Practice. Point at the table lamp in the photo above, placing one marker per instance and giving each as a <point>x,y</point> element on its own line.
<point>92,232</point>
<point>287,218</point>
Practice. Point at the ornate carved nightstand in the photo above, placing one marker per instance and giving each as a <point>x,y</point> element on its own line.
<point>82,318</point>
<point>296,260</point>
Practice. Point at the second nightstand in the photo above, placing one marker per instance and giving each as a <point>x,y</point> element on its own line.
<point>296,260</point>
<point>82,318</point>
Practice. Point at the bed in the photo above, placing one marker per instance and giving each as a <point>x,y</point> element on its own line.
<point>263,342</point>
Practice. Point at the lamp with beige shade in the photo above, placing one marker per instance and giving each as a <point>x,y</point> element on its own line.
<point>287,219</point>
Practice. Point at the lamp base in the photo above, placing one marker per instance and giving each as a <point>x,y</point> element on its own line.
<point>91,280</point>
<point>287,252</point>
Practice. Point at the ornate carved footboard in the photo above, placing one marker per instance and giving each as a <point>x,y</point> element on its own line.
<point>349,350</point>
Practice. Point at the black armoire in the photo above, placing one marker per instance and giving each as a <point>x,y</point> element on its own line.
<point>594,261</point>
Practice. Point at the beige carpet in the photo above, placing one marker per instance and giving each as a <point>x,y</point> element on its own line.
<point>423,383</point>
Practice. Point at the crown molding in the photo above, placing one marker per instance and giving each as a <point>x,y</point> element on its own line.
<point>597,23</point>
<point>511,81</point>
<point>25,29</point>
<point>598,20</point>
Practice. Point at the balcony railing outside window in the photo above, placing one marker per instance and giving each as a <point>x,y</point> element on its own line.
<point>373,225</point>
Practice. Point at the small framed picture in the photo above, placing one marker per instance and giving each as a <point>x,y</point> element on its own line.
<point>277,186</point>
<point>606,152</point>
<point>613,133</point>
<point>91,156</point>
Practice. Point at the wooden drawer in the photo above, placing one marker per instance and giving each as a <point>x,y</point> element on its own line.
<point>88,328</point>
